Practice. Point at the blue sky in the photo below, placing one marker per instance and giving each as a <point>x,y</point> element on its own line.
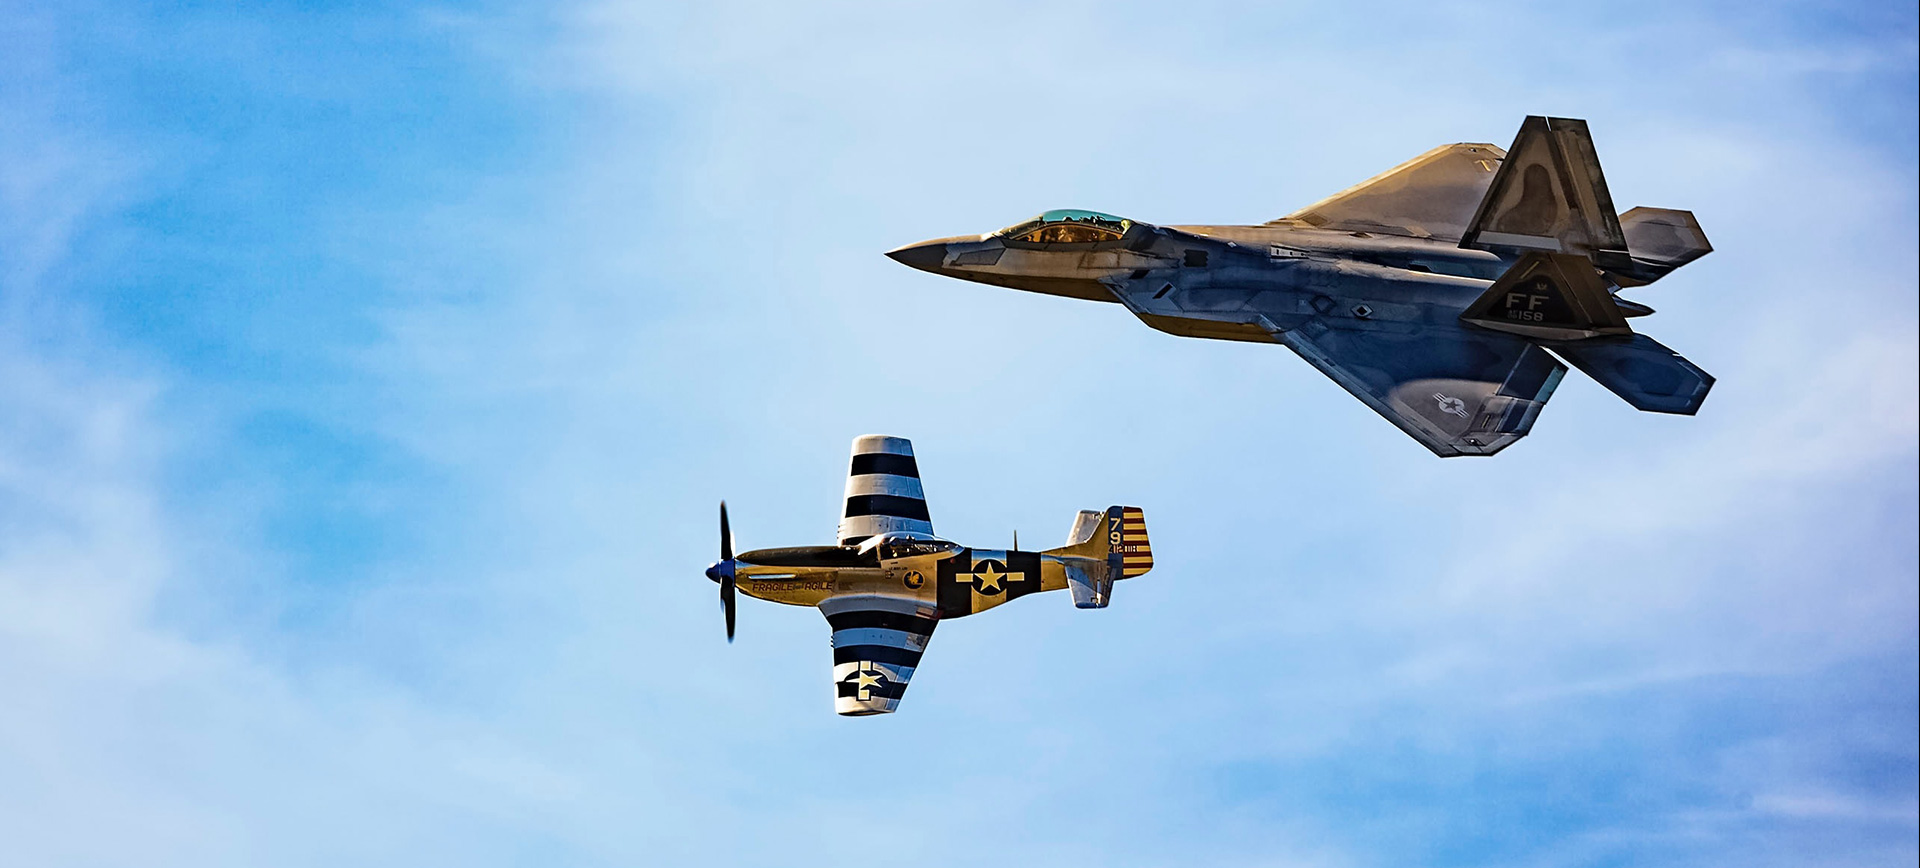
<point>372,372</point>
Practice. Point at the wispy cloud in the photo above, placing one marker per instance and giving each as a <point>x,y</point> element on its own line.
<point>371,531</point>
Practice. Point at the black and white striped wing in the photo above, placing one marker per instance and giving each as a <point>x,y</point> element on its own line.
<point>883,491</point>
<point>877,643</point>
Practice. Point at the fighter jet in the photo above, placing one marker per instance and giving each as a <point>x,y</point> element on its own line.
<point>890,581</point>
<point>1444,293</point>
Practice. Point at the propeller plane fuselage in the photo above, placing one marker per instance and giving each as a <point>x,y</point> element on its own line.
<point>932,572</point>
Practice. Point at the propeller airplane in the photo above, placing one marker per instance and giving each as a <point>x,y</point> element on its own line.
<point>890,581</point>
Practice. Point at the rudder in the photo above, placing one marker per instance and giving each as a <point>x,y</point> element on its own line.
<point>1102,548</point>
<point>1551,296</point>
<point>1128,547</point>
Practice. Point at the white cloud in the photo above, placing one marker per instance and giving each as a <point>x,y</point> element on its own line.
<point>686,301</point>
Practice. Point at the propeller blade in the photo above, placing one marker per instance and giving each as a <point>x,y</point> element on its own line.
<point>727,603</point>
<point>727,589</point>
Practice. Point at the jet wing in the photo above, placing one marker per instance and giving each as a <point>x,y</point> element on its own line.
<point>1459,391</point>
<point>1434,195</point>
<point>877,643</point>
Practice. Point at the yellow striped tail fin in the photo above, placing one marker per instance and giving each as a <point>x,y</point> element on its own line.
<point>1101,548</point>
<point>1117,536</point>
<point>1128,551</point>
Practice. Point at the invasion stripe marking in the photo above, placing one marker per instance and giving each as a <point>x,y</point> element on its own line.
<point>881,619</point>
<point>888,689</point>
<point>884,462</point>
<point>877,654</point>
<point>874,636</point>
<point>884,483</point>
<point>888,505</point>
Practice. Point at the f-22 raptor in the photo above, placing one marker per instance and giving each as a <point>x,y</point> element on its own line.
<point>890,581</point>
<point>1444,293</point>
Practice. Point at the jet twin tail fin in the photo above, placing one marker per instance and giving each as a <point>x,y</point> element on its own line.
<point>1550,195</point>
<point>1549,204</point>
<point>1559,301</point>
<point>1553,296</point>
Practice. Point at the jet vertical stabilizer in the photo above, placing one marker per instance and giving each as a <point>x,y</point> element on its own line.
<point>1553,296</point>
<point>1560,302</point>
<point>1549,194</point>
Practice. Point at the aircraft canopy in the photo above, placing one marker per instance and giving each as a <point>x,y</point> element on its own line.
<point>1068,226</point>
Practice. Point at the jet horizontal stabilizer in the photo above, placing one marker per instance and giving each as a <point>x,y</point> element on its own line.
<point>1660,240</point>
<point>1642,372</point>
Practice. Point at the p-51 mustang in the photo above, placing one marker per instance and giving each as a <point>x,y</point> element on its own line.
<point>890,581</point>
<point>1438,293</point>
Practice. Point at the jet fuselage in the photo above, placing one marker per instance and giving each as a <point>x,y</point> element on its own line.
<point>1231,282</point>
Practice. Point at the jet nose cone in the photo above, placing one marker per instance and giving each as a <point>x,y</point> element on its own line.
<point>926,256</point>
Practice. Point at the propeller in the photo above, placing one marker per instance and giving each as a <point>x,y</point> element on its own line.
<point>722,571</point>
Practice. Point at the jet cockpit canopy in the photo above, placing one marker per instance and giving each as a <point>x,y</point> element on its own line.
<point>1068,226</point>
<point>905,544</point>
